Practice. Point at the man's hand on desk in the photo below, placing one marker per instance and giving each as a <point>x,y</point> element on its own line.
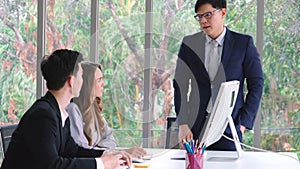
<point>185,133</point>
<point>112,160</point>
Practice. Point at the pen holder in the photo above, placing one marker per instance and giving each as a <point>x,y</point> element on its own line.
<point>194,161</point>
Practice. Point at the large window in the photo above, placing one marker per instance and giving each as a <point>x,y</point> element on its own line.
<point>68,26</point>
<point>121,49</point>
<point>18,48</point>
<point>121,46</point>
<point>281,101</point>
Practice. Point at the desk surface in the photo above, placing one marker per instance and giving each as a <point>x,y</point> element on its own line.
<point>161,159</point>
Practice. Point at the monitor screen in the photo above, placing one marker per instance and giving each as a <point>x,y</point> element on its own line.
<point>220,115</point>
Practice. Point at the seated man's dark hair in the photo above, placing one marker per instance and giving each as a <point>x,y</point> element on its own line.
<point>219,4</point>
<point>57,67</point>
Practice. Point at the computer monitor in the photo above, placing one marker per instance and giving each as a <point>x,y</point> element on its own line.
<point>220,116</point>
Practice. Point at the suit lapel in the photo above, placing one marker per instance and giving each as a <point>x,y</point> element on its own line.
<point>227,48</point>
<point>55,107</point>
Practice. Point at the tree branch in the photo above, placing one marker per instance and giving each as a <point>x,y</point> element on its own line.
<point>22,59</point>
<point>13,27</point>
<point>132,46</point>
<point>242,13</point>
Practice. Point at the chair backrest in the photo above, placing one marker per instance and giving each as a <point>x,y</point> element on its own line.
<point>6,132</point>
<point>172,133</point>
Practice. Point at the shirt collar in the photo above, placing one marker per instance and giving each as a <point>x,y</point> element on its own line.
<point>64,115</point>
<point>220,39</point>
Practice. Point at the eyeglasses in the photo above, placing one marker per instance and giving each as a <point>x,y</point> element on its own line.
<point>206,15</point>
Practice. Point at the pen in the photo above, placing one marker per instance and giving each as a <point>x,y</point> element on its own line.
<point>187,147</point>
<point>196,147</point>
<point>203,149</point>
<point>199,149</point>
<point>193,146</point>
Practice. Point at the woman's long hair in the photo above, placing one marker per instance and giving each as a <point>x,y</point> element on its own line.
<point>89,105</point>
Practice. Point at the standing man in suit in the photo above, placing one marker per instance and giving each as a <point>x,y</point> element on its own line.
<point>205,60</point>
<point>42,139</point>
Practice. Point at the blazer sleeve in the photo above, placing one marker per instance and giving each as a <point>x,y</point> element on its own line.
<point>45,143</point>
<point>108,139</point>
<point>77,125</point>
<point>254,78</point>
<point>181,85</point>
<point>74,150</point>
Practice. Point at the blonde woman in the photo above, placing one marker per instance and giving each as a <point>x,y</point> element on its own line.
<point>88,127</point>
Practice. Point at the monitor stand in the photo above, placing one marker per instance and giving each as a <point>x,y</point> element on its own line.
<point>235,136</point>
<point>229,155</point>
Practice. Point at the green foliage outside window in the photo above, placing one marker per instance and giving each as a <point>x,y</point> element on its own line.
<point>69,27</point>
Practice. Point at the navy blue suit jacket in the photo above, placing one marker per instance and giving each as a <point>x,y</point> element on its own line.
<point>240,61</point>
<point>40,141</point>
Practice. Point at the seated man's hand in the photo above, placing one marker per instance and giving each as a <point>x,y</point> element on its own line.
<point>136,152</point>
<point>126,157</point>
<point>112,160</point>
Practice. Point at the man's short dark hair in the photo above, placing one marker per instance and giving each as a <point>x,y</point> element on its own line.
<point>57,67</point>
<point>214,3</point>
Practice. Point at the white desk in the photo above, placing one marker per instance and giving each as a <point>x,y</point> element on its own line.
<point>219,160</point>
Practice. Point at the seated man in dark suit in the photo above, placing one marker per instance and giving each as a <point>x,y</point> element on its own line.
<point>42,139</point>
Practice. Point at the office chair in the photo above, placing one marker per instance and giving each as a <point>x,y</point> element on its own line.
<point>6,132</point>
<point>172,134</point>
